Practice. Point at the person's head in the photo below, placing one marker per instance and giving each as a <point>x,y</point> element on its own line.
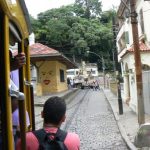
<point>54,111</point>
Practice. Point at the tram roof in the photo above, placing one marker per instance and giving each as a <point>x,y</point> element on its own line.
<point>40,52</point>
<point>18,15</point>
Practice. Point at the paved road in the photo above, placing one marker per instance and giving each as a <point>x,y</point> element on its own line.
<point>93,120</point>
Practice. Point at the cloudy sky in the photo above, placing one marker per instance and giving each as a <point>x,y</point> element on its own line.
<point>37,6</point>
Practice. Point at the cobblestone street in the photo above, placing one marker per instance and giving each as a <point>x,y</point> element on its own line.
<point>91,117</point>
<point>95,123</point>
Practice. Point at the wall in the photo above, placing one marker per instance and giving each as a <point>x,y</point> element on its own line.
<point>133,92</point>
<point>146,91</point>
<point>49,77</point>
<point>113,87</point>
<point>129,60</point>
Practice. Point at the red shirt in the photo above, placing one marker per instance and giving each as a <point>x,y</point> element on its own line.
<point>72,140</point>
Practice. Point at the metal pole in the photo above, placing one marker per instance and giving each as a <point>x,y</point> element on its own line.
<point>22,110</point>
<point>138,67</point>
<point>117,70</point>
<point>103,65</point>
<point>32,107</point>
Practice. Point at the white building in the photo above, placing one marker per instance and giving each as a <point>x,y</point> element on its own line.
<point>126,51</point>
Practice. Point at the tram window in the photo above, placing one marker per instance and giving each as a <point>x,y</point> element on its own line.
<point>62,76</point>
<point>70,72</point>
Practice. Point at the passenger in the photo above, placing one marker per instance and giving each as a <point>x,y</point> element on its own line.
<point>16,62</point>
<point>54,115</point>
<point>15,119</point>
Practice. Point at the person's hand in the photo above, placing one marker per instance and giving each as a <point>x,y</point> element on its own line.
<point>18,61</point>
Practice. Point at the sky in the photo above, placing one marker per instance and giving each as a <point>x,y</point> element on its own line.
<point>37,6</point>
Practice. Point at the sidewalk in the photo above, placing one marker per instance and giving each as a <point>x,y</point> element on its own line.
<point>127,122</point>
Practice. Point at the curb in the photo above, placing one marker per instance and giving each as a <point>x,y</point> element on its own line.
<point>125,137</point>
<point>130,145</point>
<point>65,96</point>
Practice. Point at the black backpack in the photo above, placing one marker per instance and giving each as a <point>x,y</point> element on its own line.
<point>46,143</point>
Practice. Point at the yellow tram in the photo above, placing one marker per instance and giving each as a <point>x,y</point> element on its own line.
<point>14,28</point>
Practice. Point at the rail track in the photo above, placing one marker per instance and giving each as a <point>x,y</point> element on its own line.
<point>73,107</point>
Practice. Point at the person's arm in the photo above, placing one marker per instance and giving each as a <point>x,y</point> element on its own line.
<point>17,62</point>
<point>31,142</point>
<point>72,141</point>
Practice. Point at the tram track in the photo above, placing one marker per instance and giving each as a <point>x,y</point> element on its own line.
<point>73,102</point>
<point>74,106</point>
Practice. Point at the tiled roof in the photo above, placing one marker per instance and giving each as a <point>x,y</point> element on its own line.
<point>142,46</point>
<point>40,52</point>
<point>40,49</point>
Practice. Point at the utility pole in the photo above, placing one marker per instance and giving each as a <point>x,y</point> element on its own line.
<point>117,69</point>
<point>138,66</point>
<point>103,66</point>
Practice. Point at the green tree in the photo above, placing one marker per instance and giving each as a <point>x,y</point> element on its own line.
<point>91,8</point>
<point>68,30</point>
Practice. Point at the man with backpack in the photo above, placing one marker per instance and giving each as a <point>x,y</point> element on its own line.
<point>51,137</point>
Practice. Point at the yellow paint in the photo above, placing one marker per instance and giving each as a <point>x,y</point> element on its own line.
<point>8,110</point>
<point>49,76</point>
<point>39,89</point>
<point>14,11</point>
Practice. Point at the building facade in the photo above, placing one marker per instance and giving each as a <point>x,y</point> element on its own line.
<point>50,69</point>
<point>126,50</point>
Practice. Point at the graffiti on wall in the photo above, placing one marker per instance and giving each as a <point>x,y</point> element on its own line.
<point>46,77</point>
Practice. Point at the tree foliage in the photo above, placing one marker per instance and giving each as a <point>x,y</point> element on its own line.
<point>71,31</point>
<point>91,8</point>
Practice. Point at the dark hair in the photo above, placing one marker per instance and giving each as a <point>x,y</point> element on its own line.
<point>54,109</point>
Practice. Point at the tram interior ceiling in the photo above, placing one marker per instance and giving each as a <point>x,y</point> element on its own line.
<point>13,35</point>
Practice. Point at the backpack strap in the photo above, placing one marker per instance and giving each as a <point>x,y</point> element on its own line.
<point>60,136</point>
<point>40,135</point>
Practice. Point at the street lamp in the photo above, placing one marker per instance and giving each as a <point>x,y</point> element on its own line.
<point>103,64</point>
